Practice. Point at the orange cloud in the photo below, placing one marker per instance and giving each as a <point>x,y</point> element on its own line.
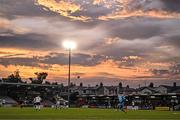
<point>107,69</point>
<point>138,13</point>
<point>26,53</point>
<point>63,7</point>
<point>119,9</point>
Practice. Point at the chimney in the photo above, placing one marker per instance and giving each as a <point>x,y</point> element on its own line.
<point>81,84</point>
<point>174,84</point>
<point>120,85</point>
<point>101,84</point>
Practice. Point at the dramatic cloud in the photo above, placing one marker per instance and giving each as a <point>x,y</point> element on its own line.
<point>27,41</point>
<point>78,59</point>
<point>33,62</point>
<point>172,72</point>
<point>12,8</point>
<point>51,59</point>
<point>106,9</point>
<point>172,5</point>
<point>116,39</point>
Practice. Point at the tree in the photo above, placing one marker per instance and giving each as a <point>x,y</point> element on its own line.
<point>15,77</point>
<point>40,77</point>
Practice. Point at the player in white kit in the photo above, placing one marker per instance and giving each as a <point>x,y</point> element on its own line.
<point>37,102</point>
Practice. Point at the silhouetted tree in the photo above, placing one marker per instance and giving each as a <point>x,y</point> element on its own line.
<point>40,77</point>
<point>15,78</point>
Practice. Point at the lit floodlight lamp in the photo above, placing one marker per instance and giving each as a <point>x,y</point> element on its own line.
<point>69,45</point>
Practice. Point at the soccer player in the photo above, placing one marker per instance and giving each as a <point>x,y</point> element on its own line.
<point>133,105</point>
<point>1,103</point>
<point>57,98</point>
<point>37,102</point>
<point>121,103</point>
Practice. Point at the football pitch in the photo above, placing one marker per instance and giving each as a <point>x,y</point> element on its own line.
<point>85,114</point>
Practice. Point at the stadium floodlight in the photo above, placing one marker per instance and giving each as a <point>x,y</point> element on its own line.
<point>70,45</point>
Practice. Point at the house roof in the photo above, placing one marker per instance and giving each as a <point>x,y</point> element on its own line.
<point>125,89</point>
<point>149,88</point>
<point>166,86</point>
<point>175,89</point>
<point>111,87</point>
<point>172,88</point>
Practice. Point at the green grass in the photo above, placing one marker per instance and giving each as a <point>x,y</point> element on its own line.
<point>85,114</point>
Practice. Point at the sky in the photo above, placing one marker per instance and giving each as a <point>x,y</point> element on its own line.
<point>134,41</point>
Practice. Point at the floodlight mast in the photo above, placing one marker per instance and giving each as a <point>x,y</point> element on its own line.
<point>69,77</point>
<point>69,45</point>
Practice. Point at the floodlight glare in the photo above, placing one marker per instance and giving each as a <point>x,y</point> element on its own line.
<point>69,44</point>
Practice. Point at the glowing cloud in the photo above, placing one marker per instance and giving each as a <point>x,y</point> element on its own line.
<point>63,7</point>
<point>139,13</point>
<point>115,9</point>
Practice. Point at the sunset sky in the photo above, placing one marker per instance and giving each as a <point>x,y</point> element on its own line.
<point>117,40</point>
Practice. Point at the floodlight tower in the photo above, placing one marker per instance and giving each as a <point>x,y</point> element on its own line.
<point>69,45</point>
